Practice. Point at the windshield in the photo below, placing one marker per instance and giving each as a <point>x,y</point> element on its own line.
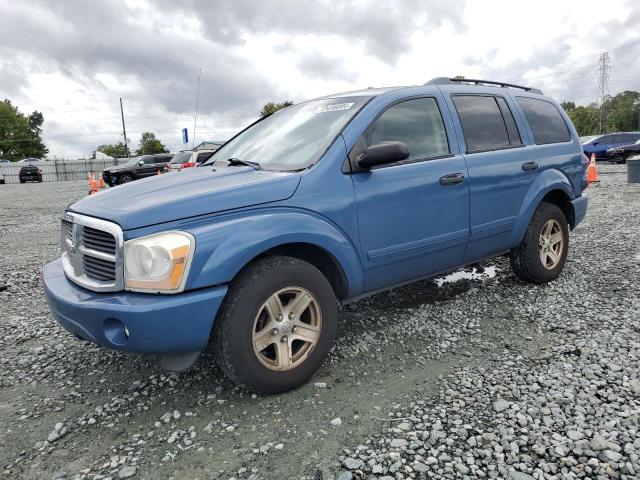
<point>587,139</point>
<point>292,138</point>
<point>134,160</point>
<point>182,157</point>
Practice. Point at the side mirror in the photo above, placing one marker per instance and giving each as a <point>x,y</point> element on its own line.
<point>381,153</point>
<point>140,163</point>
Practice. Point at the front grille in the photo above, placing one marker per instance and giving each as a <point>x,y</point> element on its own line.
<point>98,240</point>
<point>92,252</point>
<point>67,230</point>
<point>101,270</point>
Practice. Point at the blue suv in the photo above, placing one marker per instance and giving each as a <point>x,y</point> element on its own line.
<point>321,203</point>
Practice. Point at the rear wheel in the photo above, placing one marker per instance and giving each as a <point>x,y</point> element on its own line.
<point>541,255</point>
<point>126,178</point>
<point>276,325</point>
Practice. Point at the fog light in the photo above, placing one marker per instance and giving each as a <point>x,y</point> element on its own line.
<point>115,331</point>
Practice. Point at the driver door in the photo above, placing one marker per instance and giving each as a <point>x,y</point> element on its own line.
<point>413,215</point>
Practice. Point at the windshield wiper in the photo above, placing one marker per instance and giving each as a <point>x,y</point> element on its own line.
<point>248,163</point>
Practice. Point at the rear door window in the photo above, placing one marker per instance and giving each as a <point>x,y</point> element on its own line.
<point>203,157</point>
<point>418,123</point>
<point>545,121</point>
<point>486,124</point>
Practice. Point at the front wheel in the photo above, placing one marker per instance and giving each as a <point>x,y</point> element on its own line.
<point>541,255</point>
<point>126,178</point>
<point>276,325</point>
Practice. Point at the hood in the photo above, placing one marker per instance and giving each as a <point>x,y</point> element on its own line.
<point>192,192</point>
<point>120,167</point>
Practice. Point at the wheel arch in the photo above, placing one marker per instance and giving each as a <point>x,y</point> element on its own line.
<point>551,186</point>
<point>226,248</point>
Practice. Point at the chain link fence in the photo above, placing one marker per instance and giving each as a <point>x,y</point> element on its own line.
<point>60,170</point>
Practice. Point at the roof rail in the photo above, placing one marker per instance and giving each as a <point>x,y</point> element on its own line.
<point>449,81</point>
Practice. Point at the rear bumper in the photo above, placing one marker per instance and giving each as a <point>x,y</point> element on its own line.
<point>133,322</point>
<point>579,206</point>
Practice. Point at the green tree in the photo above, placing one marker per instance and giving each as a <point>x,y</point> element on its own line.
<point>149,145</point>
<point>116,150</point>
<point>273,107</point>
<point>20,135</point>
<point>620,113</point>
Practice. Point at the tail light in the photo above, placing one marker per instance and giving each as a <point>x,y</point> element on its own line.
<point>188,164</point>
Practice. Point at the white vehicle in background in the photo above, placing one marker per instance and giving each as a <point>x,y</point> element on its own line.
<point>188,159</point>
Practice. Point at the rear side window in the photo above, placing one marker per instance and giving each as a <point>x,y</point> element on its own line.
<point>203,157</point>
<point>487,123</point>
<point>545,121</point>
<point>417,123</point>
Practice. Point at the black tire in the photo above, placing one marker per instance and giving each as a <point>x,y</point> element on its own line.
<point>126,178</point>
<point>22,181</point>
<point>40,180</point>
<point>525,258</point>
<point>233,329</point>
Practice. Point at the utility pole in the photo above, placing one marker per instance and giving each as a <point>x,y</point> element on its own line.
<point>604,67</point>
<point>195,117</point>
<point>124,130</point>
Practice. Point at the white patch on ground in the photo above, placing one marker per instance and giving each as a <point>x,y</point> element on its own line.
<point>489,272</point>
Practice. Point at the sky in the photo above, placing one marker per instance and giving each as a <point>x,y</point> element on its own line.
<point>73,60</point>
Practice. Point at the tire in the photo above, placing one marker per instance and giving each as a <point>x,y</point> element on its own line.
<point>526,258</point>
<point>126,178</point>
<point>22,181</point>
<point>40,180</point>
<point>244,316</point>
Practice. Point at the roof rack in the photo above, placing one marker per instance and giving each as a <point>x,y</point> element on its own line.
<point>449,81</point>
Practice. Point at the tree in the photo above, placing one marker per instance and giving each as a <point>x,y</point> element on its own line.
<point>20,135</point>
<point>116,150</point>
<point>273,107</point>
<point>620,113</point>
<point>149,145</point>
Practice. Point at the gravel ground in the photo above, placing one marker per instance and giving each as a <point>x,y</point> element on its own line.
<point>481,377</point>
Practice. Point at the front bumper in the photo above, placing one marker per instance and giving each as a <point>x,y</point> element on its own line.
<point>133,322</point>
<point>579,206</point>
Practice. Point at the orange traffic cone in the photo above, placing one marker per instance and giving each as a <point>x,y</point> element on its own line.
<point>101,182</point>
<point>158,172</point>
<point>592,171</point>
<point>92,184</point>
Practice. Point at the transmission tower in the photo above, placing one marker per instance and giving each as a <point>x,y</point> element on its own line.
<point>604,67</point>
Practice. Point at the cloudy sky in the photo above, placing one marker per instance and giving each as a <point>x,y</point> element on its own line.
<point>74,59</point>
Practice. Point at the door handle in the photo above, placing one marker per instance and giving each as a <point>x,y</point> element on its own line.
<point>452,179</point>
<point>528,166</point>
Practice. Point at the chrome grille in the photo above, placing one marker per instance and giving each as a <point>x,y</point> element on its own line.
<point>98,240</point>
<point>92,252</point>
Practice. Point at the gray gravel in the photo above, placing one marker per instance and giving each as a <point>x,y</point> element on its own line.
<point>483,378</point>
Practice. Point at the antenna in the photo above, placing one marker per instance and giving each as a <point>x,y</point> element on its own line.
<point>195,118</point>
<point>604,67</point>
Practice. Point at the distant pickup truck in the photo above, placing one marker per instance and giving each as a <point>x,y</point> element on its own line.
<point>136,168</point>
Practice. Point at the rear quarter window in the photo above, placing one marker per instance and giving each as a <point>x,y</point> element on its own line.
<point>545,121</point>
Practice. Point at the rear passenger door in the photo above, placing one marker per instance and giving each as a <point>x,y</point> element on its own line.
<point>501,169</point>
<point>413,215</point>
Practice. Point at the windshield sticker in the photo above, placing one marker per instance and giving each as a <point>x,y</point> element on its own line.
<point>335,107</point>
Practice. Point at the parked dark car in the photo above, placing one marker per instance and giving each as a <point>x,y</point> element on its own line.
<point>30,172</point>
<point>602,143</point>
<point>136,168</point>
<point>621,154</point>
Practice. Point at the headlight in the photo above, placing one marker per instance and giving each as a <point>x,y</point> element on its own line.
<point>158,263</point>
